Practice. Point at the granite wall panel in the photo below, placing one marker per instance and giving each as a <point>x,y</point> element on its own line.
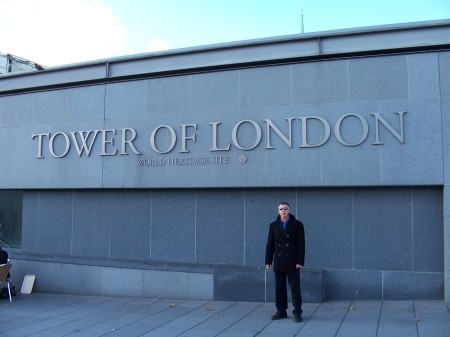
<point>379,78</point>
<point>131,213</point>
<point>376,213</point>
<point>30,221</point>
<point>398,163</point>
<point>428,230</point>
<point>445,106</point>
<point>173,226</point>
<point>220,227</point>
<point>320,82</point>
<point>307,168</point>
<point>423,75</point>
<point>233,283</point>
<point>16,110</point>
<point>408,285</point>
<point>55,222</point>
<point>328,225</point>
<point>446,220</point>
<point>74,279</point>
<point>353,284</point>
<point>50,107</point>
<point>444,73</point>
<point>87,103</point>
<point>92,224</point>
<point>169,96</point>
<point>125,100</point>
<point>447,288</point>
<point>218,91</point>
<point>269,86</point>
<point>7,175</point>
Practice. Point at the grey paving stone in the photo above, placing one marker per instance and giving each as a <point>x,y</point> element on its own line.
<point>397,319</point>
<point>183,322</point>
<point>199,316</point>
<point>224,319</point>
<point>40,328</point>
<point>251,324</point>
<point>433,318</point>
<point>361,319</point>
<point>157,315</point>
<point>326,320</point>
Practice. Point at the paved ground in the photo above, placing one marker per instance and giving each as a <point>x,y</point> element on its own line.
<point>64,315</point>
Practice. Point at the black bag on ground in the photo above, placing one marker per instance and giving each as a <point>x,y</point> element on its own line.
<point>12,288</point>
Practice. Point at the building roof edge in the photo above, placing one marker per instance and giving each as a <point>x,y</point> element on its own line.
<point>339,43</point>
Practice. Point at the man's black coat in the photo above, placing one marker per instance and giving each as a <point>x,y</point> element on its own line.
<point>285,247</point>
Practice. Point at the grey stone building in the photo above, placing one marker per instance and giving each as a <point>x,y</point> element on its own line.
<point>158,174</point>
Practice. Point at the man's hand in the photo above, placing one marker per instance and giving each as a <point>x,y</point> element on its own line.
<point>298,266</point>
<point>268,266</point>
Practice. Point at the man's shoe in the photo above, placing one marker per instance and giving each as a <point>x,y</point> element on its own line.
<point>297,317</point>
<point>279,315</point>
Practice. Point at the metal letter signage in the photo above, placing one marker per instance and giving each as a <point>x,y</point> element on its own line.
<point>245,135</point>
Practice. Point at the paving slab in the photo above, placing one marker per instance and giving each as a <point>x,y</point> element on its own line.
<point>223,319</point>
<point>361,319</point>
<point>251,324</point>
<point>149,318</point>
<point>397,319</point>
<point>433,318</point>
<point>326,321</point>
<point>186,317</point>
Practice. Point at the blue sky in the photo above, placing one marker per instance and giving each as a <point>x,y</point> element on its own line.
<point>57,32</point>
<point>183,23</point>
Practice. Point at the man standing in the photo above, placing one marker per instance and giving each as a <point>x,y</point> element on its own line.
<point>286,248</point>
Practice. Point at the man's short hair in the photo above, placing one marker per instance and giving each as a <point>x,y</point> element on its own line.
<point>284,203</point>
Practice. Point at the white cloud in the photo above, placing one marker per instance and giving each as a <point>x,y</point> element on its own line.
<point>157,45</point>
<point>55,32</point>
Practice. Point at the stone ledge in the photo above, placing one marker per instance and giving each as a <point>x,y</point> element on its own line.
<point>79,279</point>
<point>257,284</point>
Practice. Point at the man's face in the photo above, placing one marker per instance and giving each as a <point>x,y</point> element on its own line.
<point>283,210</point>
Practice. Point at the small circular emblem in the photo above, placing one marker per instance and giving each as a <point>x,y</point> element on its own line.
<point>242,159</point>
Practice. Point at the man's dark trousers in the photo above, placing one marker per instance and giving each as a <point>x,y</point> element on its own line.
<point>293,278</point>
